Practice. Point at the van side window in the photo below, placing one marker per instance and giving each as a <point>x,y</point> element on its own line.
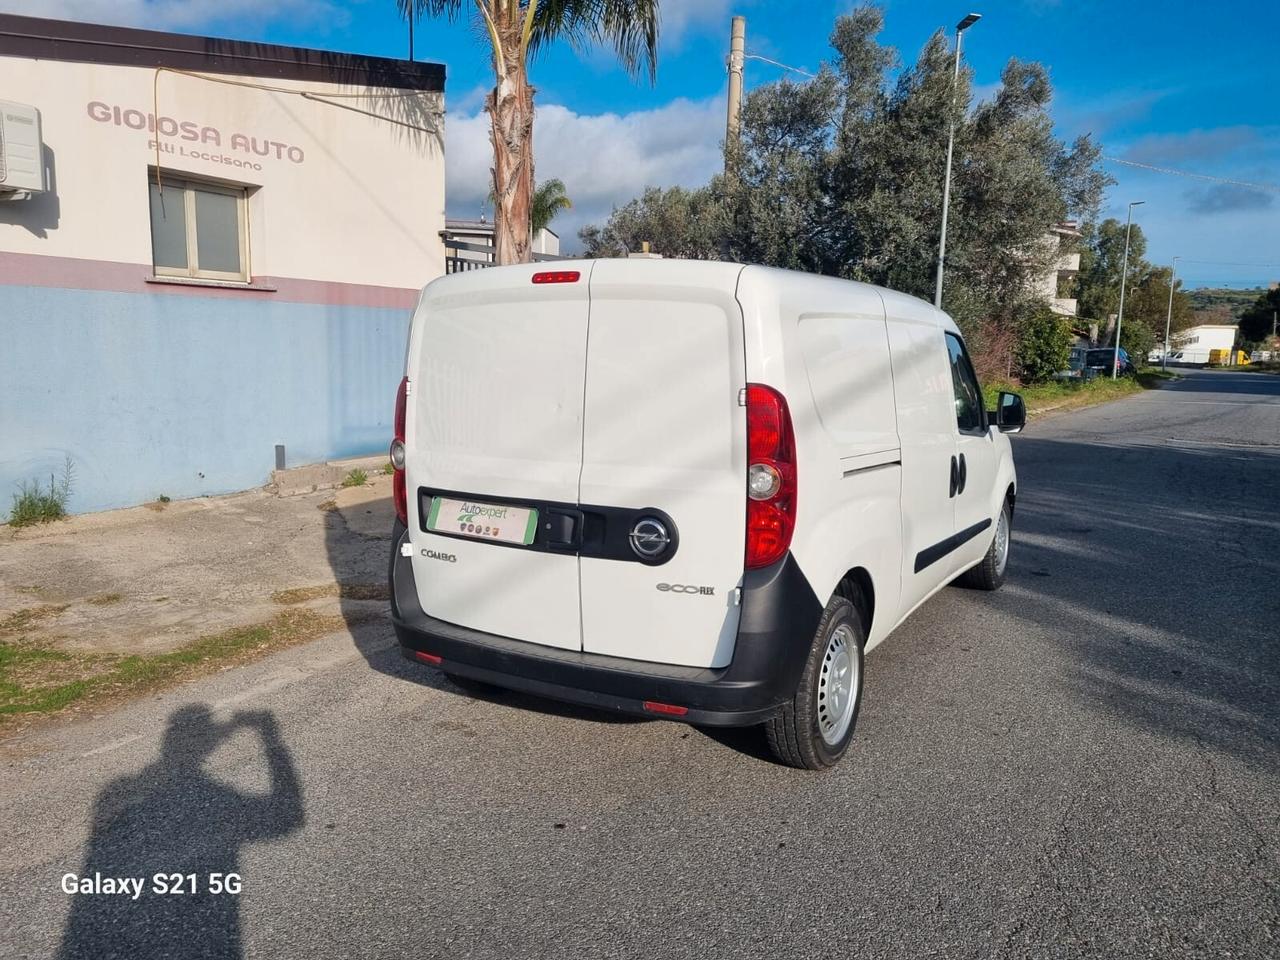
<point>969,413</point>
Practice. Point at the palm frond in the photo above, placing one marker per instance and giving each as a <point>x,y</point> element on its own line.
<point>629,26</point>
<point>430,8</point>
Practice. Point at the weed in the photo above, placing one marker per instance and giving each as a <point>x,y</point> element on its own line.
<point>34,504</point>
<point>162,498</point>
<point>356,478</point>
<point>105,599</point>
<point>1041,397</point>
<point>20,620</point>
<point>42,680</point>
<point>347,591</point>
<point>389,469</point>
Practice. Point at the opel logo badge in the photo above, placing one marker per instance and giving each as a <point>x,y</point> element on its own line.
<point>649,538</point>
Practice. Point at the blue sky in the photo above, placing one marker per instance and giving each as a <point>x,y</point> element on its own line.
<point>1151,83</point>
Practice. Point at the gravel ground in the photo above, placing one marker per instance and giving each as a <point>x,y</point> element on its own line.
<point>151,578</point>
<point>1083,764</point>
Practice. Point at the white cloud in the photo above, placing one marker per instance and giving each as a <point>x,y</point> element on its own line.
<point>180,14</point>
<point>603,159</point>
<point>681,15</point>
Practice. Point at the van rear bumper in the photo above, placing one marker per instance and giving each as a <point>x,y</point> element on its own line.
<point>779,616</point>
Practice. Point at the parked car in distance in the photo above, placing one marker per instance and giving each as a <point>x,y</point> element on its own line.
<point>598,466</point>
<point>1076,368</point>
<point>1100,359</point>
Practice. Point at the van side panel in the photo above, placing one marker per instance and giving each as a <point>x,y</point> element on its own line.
<point>927,429</point>
<point>823,343</point>
<point>495,413</point>
<point>664,430</point>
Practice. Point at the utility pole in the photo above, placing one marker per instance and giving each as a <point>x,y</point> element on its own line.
<point>961,27</point>
<point>1173,272</point>
<point>411,13</point>
<point>737,54</point>
<point>1124,275</point>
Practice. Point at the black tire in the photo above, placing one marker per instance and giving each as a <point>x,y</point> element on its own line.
<point>477,688</point>
<point>990,573</point>
<point>794,733</point>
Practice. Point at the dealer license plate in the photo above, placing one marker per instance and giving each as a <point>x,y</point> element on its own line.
<point>482,521</point>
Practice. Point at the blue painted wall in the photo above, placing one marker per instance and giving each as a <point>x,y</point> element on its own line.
<point>186,396</point>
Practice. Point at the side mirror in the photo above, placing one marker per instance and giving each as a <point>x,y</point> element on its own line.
<point>1010,414</point>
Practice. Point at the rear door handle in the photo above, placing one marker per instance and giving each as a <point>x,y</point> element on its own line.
<point>955,476</point>
<point>964,475</point>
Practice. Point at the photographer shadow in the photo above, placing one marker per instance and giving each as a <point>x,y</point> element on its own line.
<point>171,818</point>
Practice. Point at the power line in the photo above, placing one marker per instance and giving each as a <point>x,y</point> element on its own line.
<point>804,73</point>
<point>1195,176</point>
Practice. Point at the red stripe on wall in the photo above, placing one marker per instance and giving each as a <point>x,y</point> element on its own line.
<point>36,270</point>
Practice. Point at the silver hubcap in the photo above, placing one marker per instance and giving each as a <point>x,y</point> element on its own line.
<point>837,685</point>
<point>1002,541</point>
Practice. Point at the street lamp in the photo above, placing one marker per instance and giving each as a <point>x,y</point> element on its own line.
<point>1173,272</point>
<point>1124,275</point>
<point>961,27</point>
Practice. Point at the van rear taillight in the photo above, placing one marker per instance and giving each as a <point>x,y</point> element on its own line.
<point>399,493</point>
<point>771,476</point>
<point>557,276</point>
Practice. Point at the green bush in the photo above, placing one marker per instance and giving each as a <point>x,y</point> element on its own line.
<point>356,478</point>
<point>34,504</point>
<point>1138,340</point>
<point>1043,346</point>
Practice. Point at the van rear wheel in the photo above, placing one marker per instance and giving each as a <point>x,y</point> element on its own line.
<point>812,731</point>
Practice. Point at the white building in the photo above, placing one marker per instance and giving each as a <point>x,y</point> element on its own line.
<point>1063,266</point>
<point>218,251</point>
<point>1195,343</point>
<point>469,244</point>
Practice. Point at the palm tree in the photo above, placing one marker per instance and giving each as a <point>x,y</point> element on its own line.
<point>548,200</point>
<point>515,29</point>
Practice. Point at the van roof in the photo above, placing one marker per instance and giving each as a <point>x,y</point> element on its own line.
<point>713,273</point>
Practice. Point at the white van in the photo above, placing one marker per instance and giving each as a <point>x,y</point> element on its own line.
<point>684,489</point>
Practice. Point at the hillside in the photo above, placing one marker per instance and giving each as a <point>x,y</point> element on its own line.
<point>1208,302</point>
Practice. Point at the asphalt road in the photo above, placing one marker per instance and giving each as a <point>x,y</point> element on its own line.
<point>1084,764</point>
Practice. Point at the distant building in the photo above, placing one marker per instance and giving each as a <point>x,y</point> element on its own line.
<point>468,244</point>
<point>208,248</point>
<point>1195,343</point>
<point>1062,269</point>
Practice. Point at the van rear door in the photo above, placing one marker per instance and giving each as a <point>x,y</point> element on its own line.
<point>665,438</point>
<point>494,425</point>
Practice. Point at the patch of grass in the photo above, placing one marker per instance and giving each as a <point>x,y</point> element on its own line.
<point>105,599</point>
<point>328,506</point>
<point>389,469</point>
<point>19,621</point>
<point>1258,366</point>
<point>356,478</point>
<point>347,591</point>
<point>34,504</point>
<point>162,499</point>
<point>1058,394</point>
<point>41,680</point>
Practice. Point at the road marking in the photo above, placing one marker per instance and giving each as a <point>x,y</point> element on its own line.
<point>108,747</point>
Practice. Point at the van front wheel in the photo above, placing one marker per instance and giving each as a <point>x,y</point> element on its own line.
<point>812,731</point>
<point>989,574</point>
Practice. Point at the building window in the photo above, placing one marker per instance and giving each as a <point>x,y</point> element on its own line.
<point>199,230</point>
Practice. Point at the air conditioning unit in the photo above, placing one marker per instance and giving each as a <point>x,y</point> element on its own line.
<point>21,159</point>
